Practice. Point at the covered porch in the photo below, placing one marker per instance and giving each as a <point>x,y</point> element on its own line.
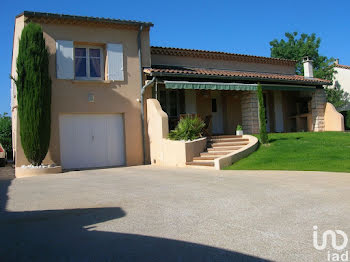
<point>289,108</point>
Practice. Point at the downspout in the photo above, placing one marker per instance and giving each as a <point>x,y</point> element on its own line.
<point>143,88</point>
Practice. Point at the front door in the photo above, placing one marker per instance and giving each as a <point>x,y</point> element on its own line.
<point>216,111</point>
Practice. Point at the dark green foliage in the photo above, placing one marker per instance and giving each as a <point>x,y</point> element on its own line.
<point>262,119</point>
<point>239,128</point>
<point>34,93</point>
<point>6,133</point>
<point>338,97</point>
<point>347,120</point>
<point>296,47</point>
<point>188,128</point>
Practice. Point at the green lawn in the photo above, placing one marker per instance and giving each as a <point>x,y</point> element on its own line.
<point>326,151</point>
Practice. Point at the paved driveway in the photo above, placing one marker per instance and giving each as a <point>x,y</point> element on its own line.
<point>157,214</point>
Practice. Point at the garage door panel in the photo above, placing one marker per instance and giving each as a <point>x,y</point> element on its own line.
<point>92,141</point>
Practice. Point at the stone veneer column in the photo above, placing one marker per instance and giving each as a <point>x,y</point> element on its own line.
<point>318,105</point>
<point>250,112</point>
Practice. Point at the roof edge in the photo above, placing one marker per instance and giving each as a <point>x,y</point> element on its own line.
<point>174,50</point>
<point>86,18</point>
<point>316,81</point>
<point>342,66</point>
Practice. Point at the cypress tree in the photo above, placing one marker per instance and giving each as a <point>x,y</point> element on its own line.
<point>34,93</point>
<point>347,120</point>
<point>262,119</point>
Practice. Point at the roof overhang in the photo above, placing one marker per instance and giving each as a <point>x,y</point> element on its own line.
<point>172,75</point>
<point>40,17</point>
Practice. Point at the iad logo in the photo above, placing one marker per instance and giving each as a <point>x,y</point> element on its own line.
<point>336,256</point>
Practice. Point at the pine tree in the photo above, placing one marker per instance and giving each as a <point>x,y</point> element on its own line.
<point>34,93</point>
<point>262,119</point>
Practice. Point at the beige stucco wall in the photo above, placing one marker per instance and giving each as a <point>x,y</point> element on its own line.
<point>70,97</point>
<point>19,25</point>
<point>221,64</point>
<point>177,153</point>
<point>165,152</point>
<point>333,121</point>
<point>157,128</point>
<point>343,78</point>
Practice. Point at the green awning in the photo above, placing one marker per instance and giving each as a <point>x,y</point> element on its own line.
<point>232,86</point>
<point>209,85</point>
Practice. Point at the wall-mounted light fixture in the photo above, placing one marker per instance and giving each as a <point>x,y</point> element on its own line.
<point>91,97</point>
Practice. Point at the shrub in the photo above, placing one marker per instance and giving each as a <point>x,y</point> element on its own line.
<point>34,93</point>
<point>239,128</point>
<point>347,120</point>
<point>263,133</point>
<point>188,128</point>
<point>6,133</point>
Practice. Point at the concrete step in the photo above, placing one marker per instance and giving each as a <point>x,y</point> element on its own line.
<point>226,148</point>
<point>226,144</point>
<point>209,164</point>
<point>204,158</point>
<point>224,136</point>
<point>218,154</point>
<point>215,140</point>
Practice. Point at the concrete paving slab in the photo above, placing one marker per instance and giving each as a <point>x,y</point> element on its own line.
<point>149,213</point>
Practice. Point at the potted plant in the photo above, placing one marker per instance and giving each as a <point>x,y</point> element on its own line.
<point>239,130</point>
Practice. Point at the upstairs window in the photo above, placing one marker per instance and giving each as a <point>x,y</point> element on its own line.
<point>88,63</point>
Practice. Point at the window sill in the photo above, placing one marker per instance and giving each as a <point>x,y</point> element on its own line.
<point>91,81</point>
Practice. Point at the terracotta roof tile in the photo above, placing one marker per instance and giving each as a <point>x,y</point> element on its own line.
<point>342,66</point>
<point>239,75</point>
<point>157,50</point>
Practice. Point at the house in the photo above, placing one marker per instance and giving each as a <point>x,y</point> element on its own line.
<point>342,78</point>
<point>103,71</point>
<point>223,85</point>
<point>96,71</point>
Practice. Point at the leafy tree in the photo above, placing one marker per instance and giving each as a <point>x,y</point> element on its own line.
<point>338,97</point>
<point>34,93</point>
<point>262,119</point>
<point>6,133</point>
<point>188,128</point>
<point>296,47</point>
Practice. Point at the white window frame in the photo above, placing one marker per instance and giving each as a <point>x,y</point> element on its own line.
<point>87,77</point>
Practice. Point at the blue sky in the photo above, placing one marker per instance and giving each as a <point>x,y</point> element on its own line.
<point>244,27</point>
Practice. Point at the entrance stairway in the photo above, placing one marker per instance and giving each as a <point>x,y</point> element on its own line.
<point>218,146</point>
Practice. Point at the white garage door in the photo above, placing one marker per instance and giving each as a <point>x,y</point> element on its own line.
<point>92,141</point>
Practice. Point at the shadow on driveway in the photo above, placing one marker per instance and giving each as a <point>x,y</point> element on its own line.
<point>69,235</point>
